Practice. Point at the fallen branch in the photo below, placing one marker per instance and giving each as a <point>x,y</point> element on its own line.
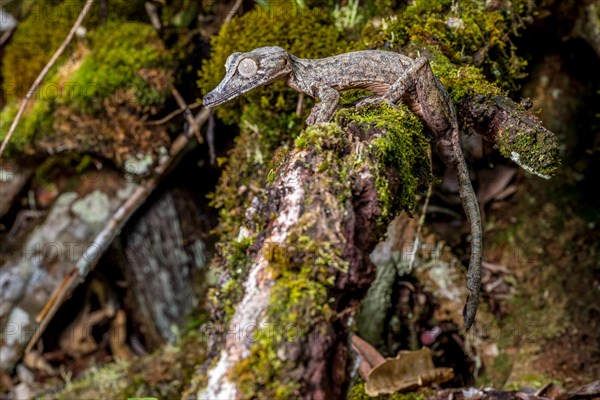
<point>173,114</point>
<point>517,133</point>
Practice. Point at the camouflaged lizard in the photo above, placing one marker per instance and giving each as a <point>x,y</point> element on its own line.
<point>393,77</point>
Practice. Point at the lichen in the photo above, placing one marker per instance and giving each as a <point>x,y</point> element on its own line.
<point>537,152</point>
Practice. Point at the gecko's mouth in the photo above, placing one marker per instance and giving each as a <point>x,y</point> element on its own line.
<point>216,98</point>
<point>212,100</point>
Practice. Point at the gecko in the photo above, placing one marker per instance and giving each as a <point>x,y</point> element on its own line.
<point>393,78</point>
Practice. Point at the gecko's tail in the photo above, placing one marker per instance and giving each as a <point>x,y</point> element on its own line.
<point>471,207</point>
<point>451,152</point>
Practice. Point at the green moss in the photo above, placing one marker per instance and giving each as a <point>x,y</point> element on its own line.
<point>402,147</point>
<point>164,374</point>
<point>299,298</point>
<point>237,261</point>
<point>41,33</point>
<point>122,52</point>
<point>125,59</point>
<point>357,392</point>
<point>537,151</point>
<point>318,138</point>
<point>461,82</point>
<point>465,32</point>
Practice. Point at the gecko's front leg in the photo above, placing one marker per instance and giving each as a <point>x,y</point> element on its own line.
<point>434,106</point>
<point>325,109</point>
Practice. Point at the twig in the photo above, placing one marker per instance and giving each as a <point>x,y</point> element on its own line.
<point>6,35</point>
<point>172,115</point>
<point>188,115</point>
<point>422,217</point>
<point>152,13</point>
<point>233,10</point>
<point>38,81</point>
<point>300,105</point>
<point>154,18</point>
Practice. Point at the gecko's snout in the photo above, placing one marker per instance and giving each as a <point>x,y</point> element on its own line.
<point>208,100</point>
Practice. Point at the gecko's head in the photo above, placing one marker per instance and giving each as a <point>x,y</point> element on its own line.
<point>246,71</point>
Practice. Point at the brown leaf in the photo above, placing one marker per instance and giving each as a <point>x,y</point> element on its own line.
<point>408,371</point>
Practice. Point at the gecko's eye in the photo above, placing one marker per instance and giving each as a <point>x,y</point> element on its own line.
<point>247,67</point>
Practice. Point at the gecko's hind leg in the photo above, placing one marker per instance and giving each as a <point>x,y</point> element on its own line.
<point>406,82</point>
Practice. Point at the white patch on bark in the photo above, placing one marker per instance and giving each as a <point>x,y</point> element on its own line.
<point>516,157</point>
<point>250,311</point>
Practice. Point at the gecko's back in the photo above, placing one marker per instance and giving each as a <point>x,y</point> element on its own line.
<point>373,70</point>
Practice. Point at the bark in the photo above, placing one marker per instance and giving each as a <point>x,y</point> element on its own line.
<point>517,133</point>
<point>320,357</point>
<point>162,258</point>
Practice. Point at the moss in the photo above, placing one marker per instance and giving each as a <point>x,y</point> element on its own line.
<point>41,33</point>
<point>125,63</point>
<point>163,374</point>
<point>536,152</point>
<point>466,33</point>
<point>402,147</point>
<point>461,81</point>
<point>37,118</point>
<point>122,52</point>
<point>234,255</point>
<point>357,392</point>
<point>298,299</point>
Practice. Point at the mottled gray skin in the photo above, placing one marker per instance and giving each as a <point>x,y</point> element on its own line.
<point>393,77</point>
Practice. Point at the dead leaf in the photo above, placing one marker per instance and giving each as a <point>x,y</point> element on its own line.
<point>118,334</point>
<point>408,371</point>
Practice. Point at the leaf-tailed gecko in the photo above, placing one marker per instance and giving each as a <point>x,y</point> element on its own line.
<point>393,77</point>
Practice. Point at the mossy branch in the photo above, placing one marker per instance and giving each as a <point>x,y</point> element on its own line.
<point>42,75</point>
<point>517,133</point>
<point>307,245</point>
